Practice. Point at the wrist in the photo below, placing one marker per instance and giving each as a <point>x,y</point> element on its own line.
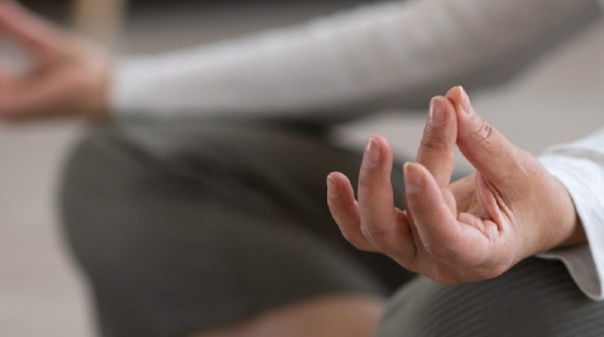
<point>568,230</point>
<point>97,99</point>
<point>100,100</point>
<point>94,68</point>
<point>553,222</point>
<point>571,223</point>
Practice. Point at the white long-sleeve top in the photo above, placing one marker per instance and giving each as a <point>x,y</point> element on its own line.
<point>387,55</point>
<point>580,167</point>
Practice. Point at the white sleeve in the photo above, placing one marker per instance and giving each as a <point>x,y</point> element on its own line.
<point>580,167</point>
<point>386,55</point>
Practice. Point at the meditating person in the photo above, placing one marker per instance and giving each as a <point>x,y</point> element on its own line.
<point>196,204</point>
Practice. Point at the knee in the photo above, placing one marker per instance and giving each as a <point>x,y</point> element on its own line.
<point>111,155</point>
<point>97,154</point>
<point>535,298</point>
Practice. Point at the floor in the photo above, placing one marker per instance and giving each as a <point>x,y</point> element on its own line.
<point>42,294</point>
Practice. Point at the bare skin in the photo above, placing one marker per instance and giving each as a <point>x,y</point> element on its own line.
<point>471,230</point>
<point>68,76</point>
<point>349,315</point>
<point>487,221</point>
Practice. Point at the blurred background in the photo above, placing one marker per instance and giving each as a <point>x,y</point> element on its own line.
<point>41,292</point>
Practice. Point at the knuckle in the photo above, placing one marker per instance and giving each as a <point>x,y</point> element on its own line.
<point>365,181</point>
<point>431,145</point>
<point>374,180</point>
<point>374,233</point>
<point>484,134</point>
<point>431,142</point>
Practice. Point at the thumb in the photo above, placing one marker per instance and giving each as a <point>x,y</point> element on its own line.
<point>485,148</point>
<point>33,32</point>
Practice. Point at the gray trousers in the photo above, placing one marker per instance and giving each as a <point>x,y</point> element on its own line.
<point>188,225</point>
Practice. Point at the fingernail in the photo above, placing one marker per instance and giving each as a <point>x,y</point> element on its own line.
<point>372,154</point>
<point>332,187</point>
<point>437,110</point>
<point>466,105</point>
<point>412,181</point>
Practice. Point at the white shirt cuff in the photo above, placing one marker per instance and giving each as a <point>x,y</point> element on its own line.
<point>581,178</point>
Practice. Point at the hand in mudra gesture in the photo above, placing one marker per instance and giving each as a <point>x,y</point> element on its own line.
<point>68,76</point>
<point>473,229</point>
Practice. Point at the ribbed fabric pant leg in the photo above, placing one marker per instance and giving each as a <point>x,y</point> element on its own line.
<point>537,298</point>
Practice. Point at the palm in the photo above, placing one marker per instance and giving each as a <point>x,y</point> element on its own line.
<point>464,192</point>
<point>469,202</point>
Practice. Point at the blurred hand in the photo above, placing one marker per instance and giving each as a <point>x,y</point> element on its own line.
<point>473,229</point>
<point>68,76</point>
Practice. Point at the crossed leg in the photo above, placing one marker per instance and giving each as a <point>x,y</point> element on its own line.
<point>217,229</point>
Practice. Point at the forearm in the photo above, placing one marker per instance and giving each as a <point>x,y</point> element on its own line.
<point>388,55</point>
